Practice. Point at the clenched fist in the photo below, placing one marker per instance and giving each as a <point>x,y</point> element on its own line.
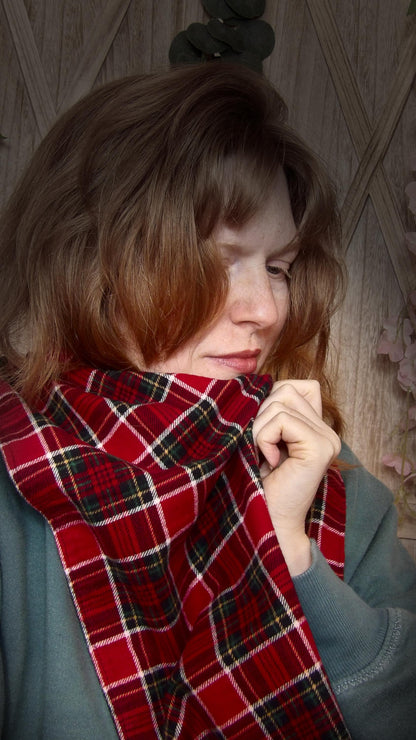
<point>297,447</point>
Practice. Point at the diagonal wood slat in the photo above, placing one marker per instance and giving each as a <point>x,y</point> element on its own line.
<point>95,51</point>
<point>92,58</point>
<point>380,140</point>
<point>341,72</point>
<point>395,101</point>
<point>30,64</point>
<point>371,177</point>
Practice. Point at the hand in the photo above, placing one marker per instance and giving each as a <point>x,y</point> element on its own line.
<point>298,447</point>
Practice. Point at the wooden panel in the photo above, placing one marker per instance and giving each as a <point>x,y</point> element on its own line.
<point>345,70</point>
<point>16,115</point>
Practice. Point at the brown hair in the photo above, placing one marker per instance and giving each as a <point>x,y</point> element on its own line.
<point>110,226</point>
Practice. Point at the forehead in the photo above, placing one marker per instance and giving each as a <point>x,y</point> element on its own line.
<point>272,226</point>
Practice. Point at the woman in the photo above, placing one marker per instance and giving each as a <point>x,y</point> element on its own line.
<point>171,493</point>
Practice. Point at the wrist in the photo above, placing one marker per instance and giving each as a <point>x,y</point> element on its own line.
<point>296,550</point>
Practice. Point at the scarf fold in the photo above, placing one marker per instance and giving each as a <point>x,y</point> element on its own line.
<point>151,486</point>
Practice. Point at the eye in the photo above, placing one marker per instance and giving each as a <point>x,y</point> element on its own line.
<point>277,271</point>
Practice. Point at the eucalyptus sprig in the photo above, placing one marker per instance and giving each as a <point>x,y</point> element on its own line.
<point>234,33</point>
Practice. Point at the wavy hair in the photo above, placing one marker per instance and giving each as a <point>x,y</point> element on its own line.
<point>110,226</point>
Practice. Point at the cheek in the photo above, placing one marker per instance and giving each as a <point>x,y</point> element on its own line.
<point>282,307</point>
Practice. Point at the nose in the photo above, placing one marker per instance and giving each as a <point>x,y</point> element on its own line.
<point>252,299</point>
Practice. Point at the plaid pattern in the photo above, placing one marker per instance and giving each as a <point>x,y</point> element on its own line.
<point>151,486</point>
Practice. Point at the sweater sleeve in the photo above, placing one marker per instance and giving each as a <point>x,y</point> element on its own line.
<point>365,626</point>
<point>48,685</point>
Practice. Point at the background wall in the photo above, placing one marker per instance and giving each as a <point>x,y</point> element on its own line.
<point>346,70</point>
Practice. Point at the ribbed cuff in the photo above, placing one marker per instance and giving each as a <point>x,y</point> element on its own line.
<point>349,634</point>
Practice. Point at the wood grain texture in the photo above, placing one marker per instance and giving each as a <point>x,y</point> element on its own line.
<point>30,64</point>
<point>95,51</point>
<point>346,71</point>
<point>370,144</point>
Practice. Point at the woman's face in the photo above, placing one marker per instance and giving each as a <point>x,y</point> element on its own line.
<point>258,256</point>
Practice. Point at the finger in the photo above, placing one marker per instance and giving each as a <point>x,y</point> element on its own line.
<point>303,438</point>
<point>272,424</point>
<point>286,399</point>
<point>291,392</point>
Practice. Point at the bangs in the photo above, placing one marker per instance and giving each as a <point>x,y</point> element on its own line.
<point>232,185</point>
<point>235,186</point>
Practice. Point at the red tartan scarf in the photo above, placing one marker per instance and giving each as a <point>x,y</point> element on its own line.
<point>151,487</point>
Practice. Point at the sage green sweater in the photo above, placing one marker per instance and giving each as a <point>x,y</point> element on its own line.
<point>364,627</point>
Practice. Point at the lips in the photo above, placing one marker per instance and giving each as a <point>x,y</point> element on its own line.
<point>242,362</point>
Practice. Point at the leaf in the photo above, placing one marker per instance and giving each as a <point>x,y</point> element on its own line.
<point>406,374</point>
<point>258,37</point>
<point>248,8</point>
<point>395,338</point>
<point>401,466</point>
<point>230,35</point>
<point>246,58</point>
<point>411,418</point>
<point>198,35</point>
<point>412,7</point>
<point>182,51</point>
<point>218,9</point>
